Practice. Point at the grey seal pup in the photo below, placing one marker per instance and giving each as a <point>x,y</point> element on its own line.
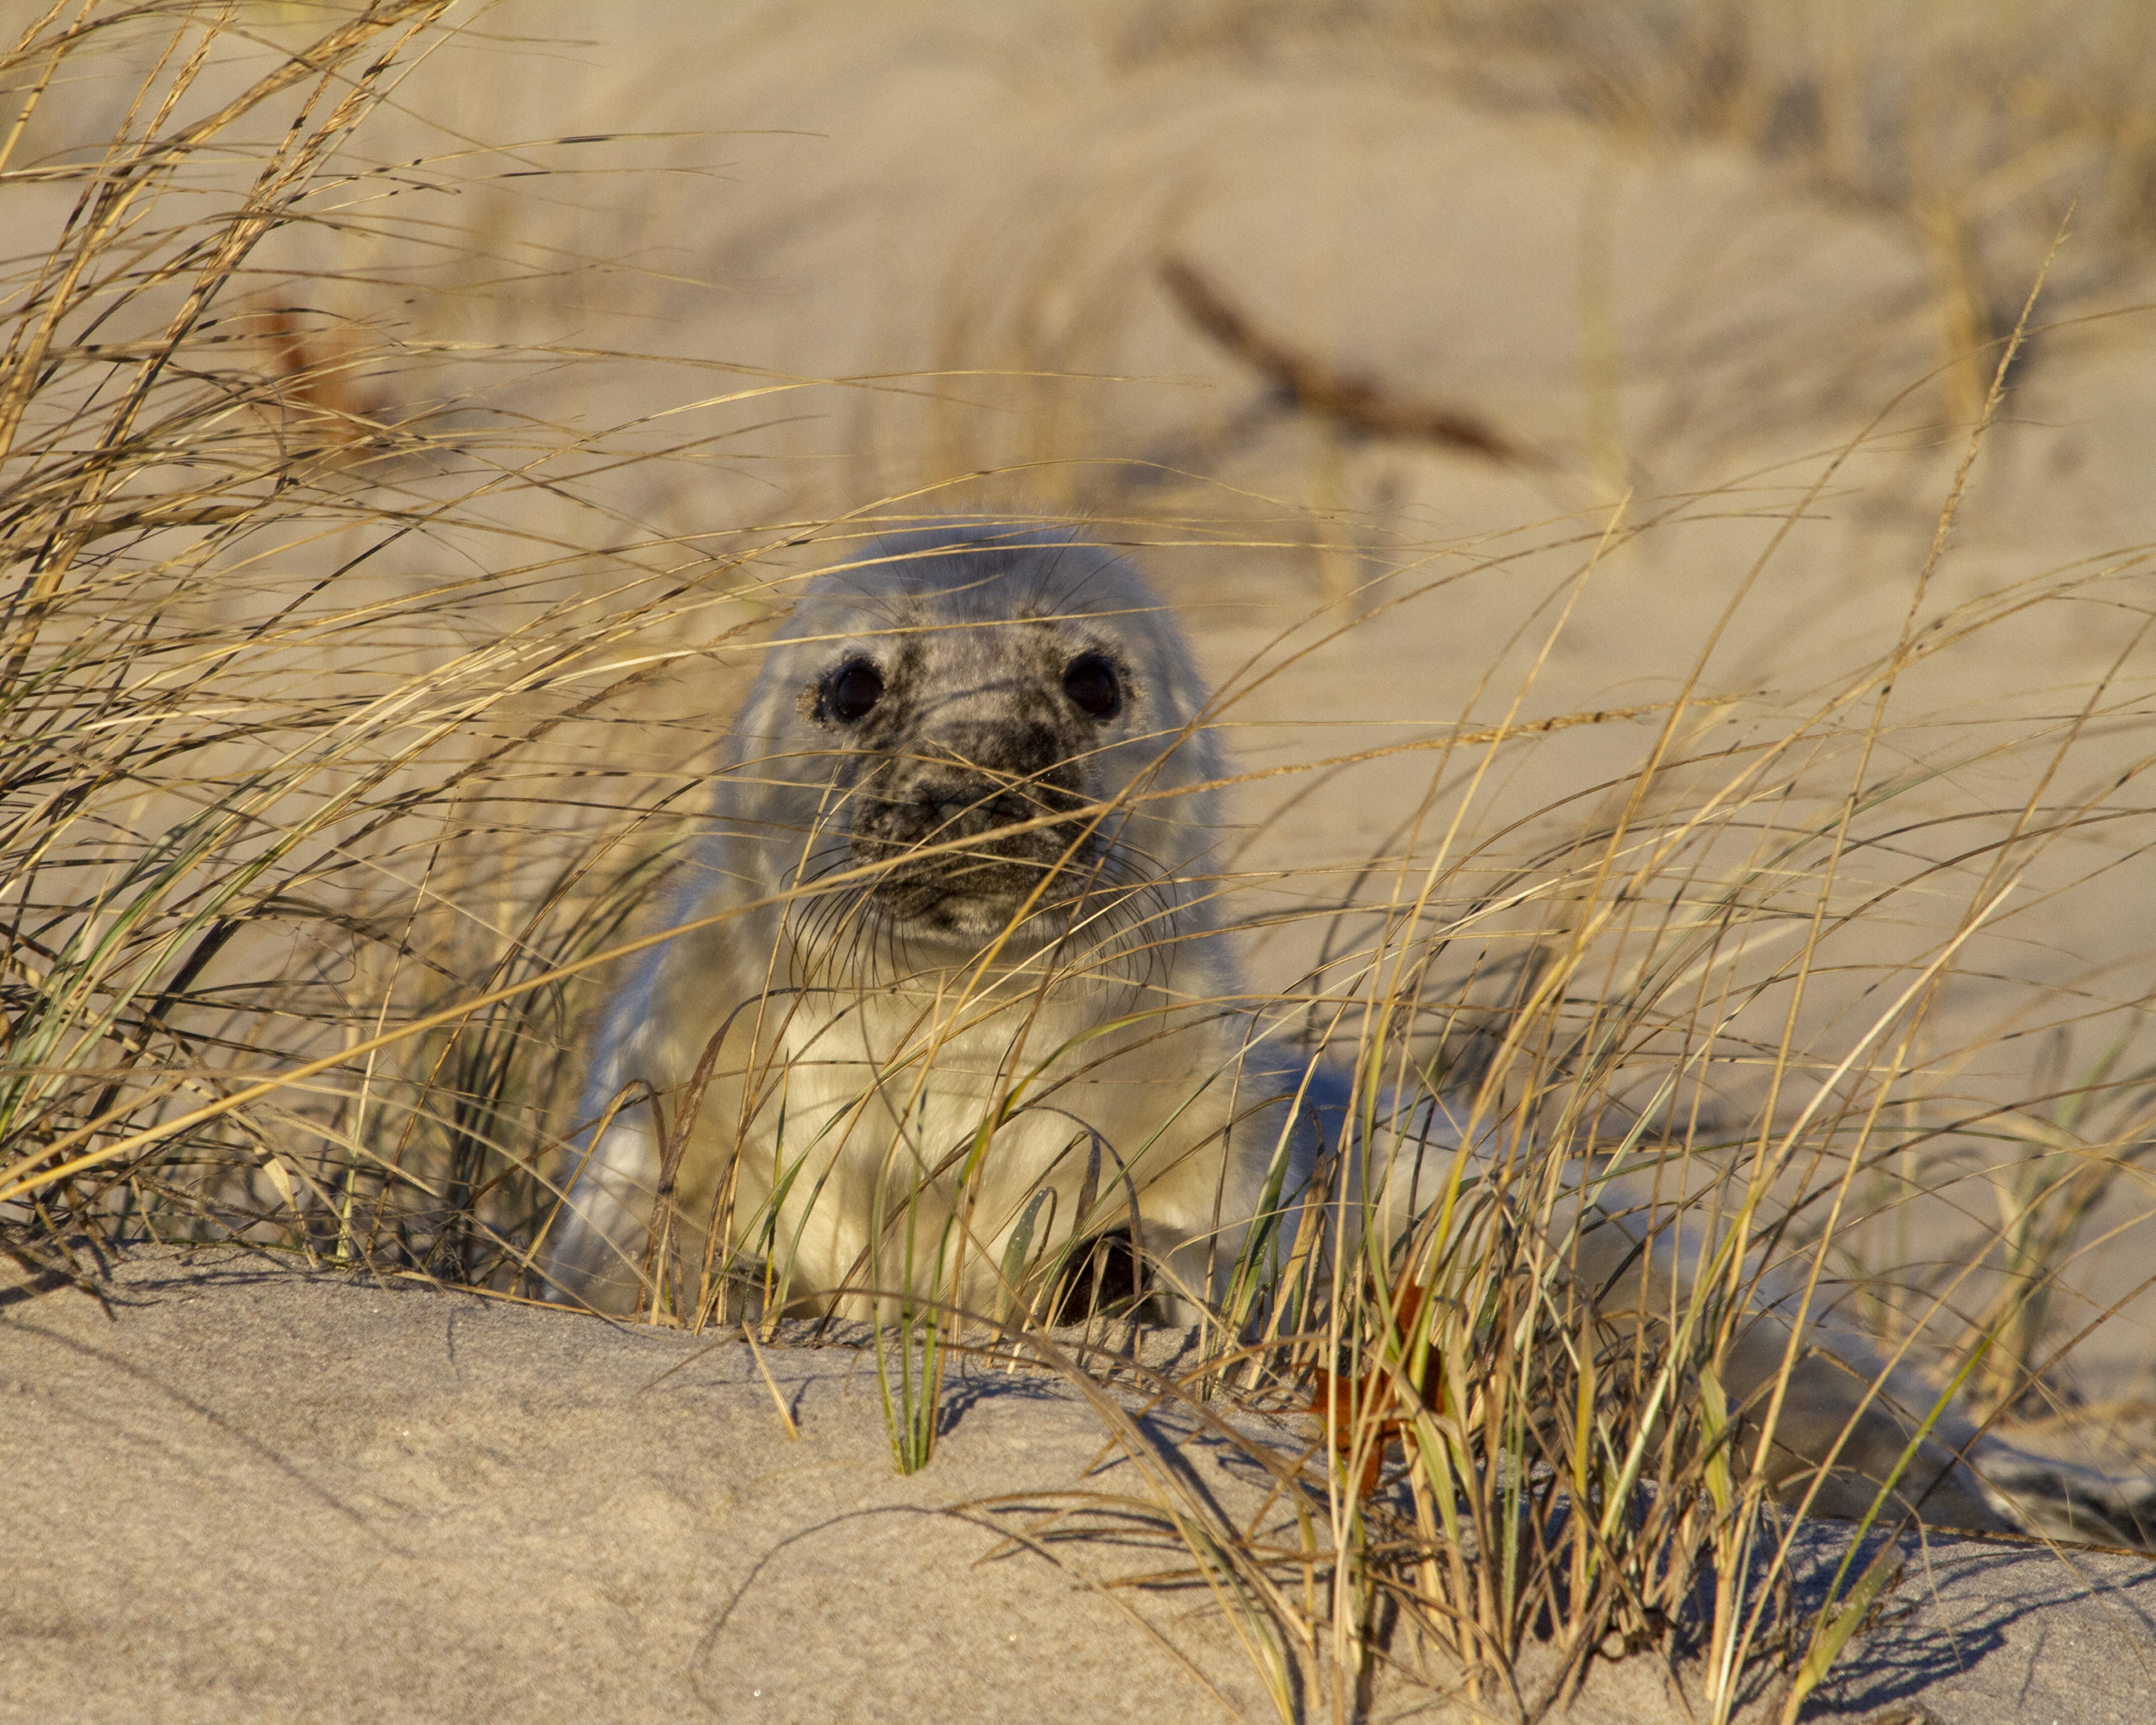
<point>969,1004</point>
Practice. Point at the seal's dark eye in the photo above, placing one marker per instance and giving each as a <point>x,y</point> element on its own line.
<point>851,690</point>
<point>1091,682</point>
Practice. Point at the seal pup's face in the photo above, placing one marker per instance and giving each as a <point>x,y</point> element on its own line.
<point>970,707</point>
<point>973,746</point>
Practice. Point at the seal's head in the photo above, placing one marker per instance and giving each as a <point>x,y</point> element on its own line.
<point>1000,726</point>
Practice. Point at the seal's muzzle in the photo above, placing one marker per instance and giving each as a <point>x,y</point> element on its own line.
<point>987,782</point>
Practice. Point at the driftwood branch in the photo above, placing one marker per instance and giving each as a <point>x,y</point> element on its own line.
<point>1308,383</point>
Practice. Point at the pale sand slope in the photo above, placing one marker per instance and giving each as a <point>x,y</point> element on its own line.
<point>255,1492</point>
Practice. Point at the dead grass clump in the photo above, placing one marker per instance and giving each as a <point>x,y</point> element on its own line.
<point>289,629</point>
<point>156,738</point>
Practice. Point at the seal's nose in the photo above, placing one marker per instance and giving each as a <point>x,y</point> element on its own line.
<point>960,806</point>
<point>974,777</point>
<point>1001,749</point>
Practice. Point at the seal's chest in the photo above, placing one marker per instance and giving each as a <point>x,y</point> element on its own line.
<point>1010,1097</point>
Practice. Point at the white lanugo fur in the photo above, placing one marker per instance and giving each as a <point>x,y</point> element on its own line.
<point>870,1072</point>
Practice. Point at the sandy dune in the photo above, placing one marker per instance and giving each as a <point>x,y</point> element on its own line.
<point>248,1492</point>
<point>288,1496</point>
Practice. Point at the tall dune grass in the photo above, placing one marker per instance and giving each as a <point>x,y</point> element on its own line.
<point>284,620</point>
<point>346,729</point>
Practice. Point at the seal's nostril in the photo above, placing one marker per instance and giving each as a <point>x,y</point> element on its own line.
<point>941,810</point>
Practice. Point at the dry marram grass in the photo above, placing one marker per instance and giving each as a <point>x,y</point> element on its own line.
<point>349,723</point>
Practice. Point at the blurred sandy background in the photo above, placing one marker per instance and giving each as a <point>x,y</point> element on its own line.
<point>1739,276</point>
<point>908,259</point>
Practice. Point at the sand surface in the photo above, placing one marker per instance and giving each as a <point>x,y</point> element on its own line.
<point>245,1491</point>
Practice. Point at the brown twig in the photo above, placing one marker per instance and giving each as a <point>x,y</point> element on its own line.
<point>1310,384</point>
